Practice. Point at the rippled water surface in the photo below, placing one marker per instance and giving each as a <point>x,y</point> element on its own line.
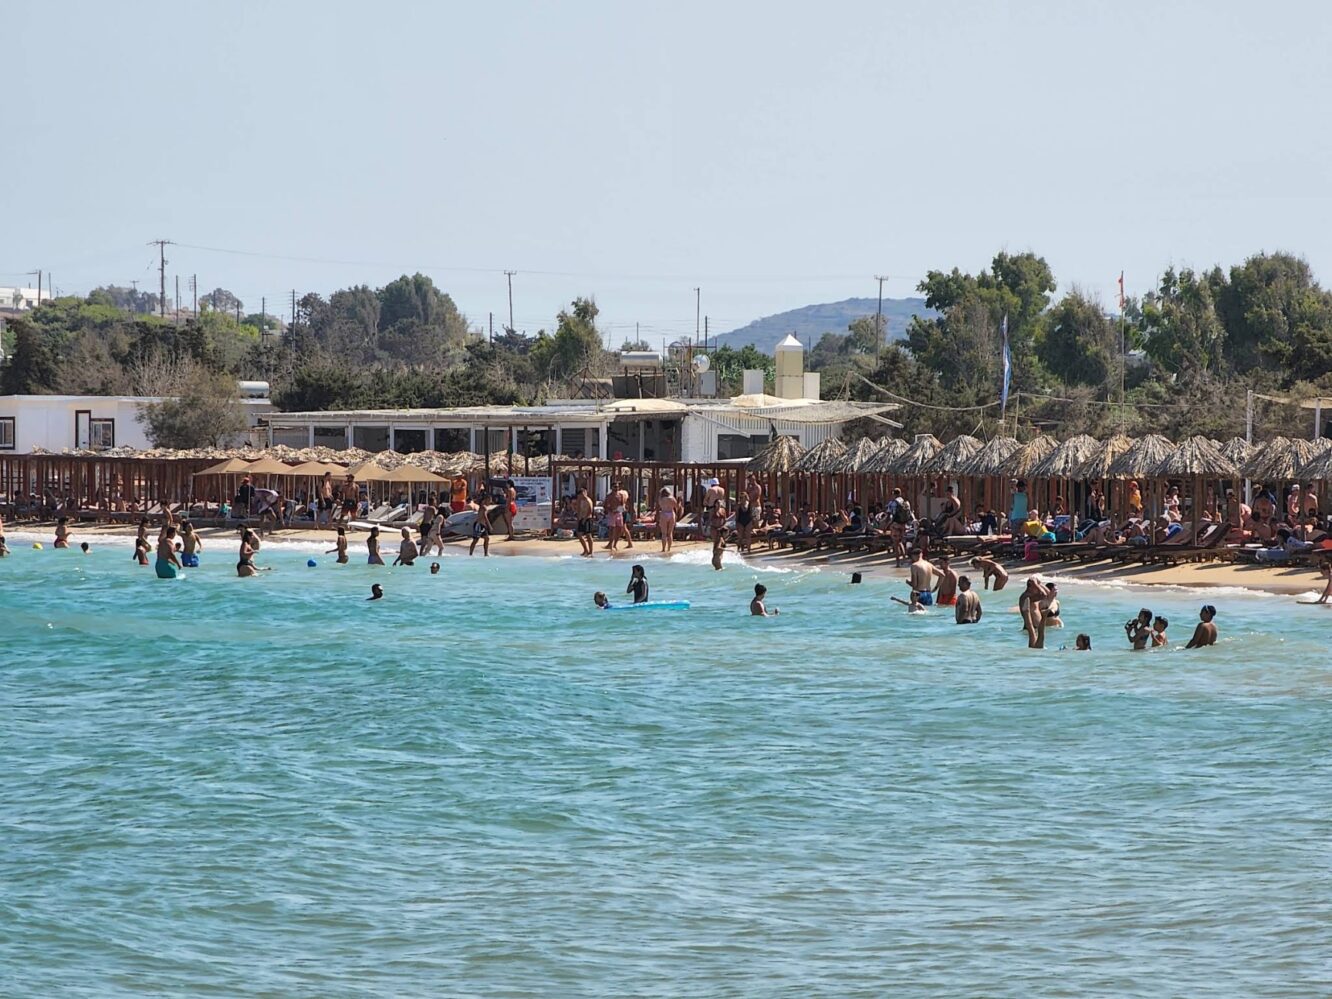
<point>483,786</point>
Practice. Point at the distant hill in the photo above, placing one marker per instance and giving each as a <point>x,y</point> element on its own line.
<point>812,321</point>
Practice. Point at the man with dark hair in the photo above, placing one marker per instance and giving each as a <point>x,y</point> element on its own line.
<point>968,610</point>
<point>1205,633</point>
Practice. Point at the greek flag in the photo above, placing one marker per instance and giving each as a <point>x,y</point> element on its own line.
<point>1008,368</point>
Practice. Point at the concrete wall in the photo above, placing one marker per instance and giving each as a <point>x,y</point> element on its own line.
<point>47,421</point>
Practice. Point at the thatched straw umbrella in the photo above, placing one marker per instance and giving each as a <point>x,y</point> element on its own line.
<point>1061,465</point>
<point>911,464</point>
<point>817,464</point>
<point>1022,464</point>
<point>780,455</point>
<point>951,461</point>
<point>773,466</point>
<point>1319,469</point>
<point>1102,459</point>
<point>1237,449</point>
<point>1279,460</point>
<point>989,464</point>
<point>822,457</point>
<point>1197,458</point>
<point>890,448</point>
<point>1140,463</point>
<point>852,465</point>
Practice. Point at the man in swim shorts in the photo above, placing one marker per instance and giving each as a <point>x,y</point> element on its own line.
<point>947,595</point>
<point>191,545</point>
<point>481,528</point>
<point>923,577</point>
<point>167,563</point>
<point>583,510</point>
<point>968,607</point>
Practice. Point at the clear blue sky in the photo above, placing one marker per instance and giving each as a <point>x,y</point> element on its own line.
<point>773,154</point>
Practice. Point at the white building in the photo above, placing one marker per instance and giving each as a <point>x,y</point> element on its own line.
<point>98,422</point>
<point>20,299</point>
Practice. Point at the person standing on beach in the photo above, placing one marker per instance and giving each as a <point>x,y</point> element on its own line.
<point>372,548</point>
<point>923,576</point>
<point>583,511</point>
<point>744,523</point>
<point>614,510</point>
<point>481,528</point>
<point>667,508</point>
<point>458,494</point>
<point>968,610</point>
<point>1205,633</point>
<point>754,491</point>
<point>510,509</point>
<point>947,583</point>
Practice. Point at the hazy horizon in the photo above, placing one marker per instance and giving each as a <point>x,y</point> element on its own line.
<point>772,156</point>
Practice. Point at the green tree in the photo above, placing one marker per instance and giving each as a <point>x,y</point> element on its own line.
<point>32,367</point>
<point>576,346</point>
<point>1276,317</point>
<point>221,300</point>
<point>206,412</point>
<point>1078,344</point>
<point>1178,323</point>
<point>731,364</point>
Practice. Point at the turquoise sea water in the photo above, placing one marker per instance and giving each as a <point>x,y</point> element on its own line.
<point>482,786</point>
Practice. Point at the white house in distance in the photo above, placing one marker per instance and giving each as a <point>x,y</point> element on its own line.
<point>20,299</point>
<point>682,428</point>
<point>95,422</point>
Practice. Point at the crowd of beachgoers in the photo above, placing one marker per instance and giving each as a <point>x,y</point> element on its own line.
<point>929,549</point>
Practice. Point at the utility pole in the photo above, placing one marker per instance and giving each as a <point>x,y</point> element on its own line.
<point>698,299</point>
<point>490,338</point>
<point>705,333</point>
<point>238,313</point>
<point>194,287</point>
<point>38,275</point>
<point>293,306</point>
<point>161,274</point>
<point>509,275</point>
<point>880,333</point>
<point>177,299</point>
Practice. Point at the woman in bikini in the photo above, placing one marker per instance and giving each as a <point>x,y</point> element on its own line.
<point>667,508</point>
<point>372,547</point>
<point>341,546</point>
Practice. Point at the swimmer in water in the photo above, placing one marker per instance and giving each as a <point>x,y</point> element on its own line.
<point>990,568</point>
<point>1050,607</point>
<point>1082,643</point>
<point>407,551</point>
<point>61,533</point>
<point>968,608</point>
<point>372,547</point>
<point>1159,626</point>
<point>1205,633</point>
<point>913,606</point>
<point>434,568</point>
<point>1139,630</point>
<point>376,592</point>
<point>341,548</point>
<point>167,563</point>
<point>85,547</point>
<point>600,600</point>
<point>757,607</point>
<point>638,585</point>
<point>245,563</point>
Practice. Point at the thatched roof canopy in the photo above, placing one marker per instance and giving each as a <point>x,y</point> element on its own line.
<point>822,457</point>
<point>1143,458</point>
<point>1197,456</point>
<point>993,457</point>
<point>1319,468</point>
<point>1099,462</point>
<point>1237,449</point>
<point>890,448</point>
<point>954,456</point>
<point>780,455</point>
<point>1279,460</point>
<point>1022,463</point>
<point>858,456</point>
<point>1064,460</point>
<point>914,459</point>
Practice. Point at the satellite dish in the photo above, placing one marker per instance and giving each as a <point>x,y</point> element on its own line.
<point>701,363</point>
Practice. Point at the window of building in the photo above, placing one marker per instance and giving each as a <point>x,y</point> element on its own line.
<point>409,441</point>
<point>6,433</point>
<point>101,433</point>
<point>334,437</point>
<point>374,439</point>
<point>451,440</point>
<point>739,445</point>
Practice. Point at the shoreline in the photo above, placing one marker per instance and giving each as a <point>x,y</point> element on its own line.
<point>1275,580</point>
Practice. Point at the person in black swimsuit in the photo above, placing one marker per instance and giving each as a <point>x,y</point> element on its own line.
<point>638,585</point>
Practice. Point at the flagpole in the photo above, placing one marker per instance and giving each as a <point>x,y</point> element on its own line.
<point>1123,352</point>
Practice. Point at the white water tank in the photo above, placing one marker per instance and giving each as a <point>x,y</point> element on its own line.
<point>753,381</point>
<point>790,356</point>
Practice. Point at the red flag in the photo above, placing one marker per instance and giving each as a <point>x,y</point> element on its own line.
<point>1121,291</point>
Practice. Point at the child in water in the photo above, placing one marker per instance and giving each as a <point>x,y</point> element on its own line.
<point>599,598</point>
<point>757,607</point>
<point>1159,632</point>
<point>914,606</point>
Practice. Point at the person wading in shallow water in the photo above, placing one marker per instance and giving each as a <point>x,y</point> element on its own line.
<point>1205,633</point>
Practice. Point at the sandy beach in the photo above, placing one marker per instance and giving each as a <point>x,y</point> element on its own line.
<point>1266,579</point>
